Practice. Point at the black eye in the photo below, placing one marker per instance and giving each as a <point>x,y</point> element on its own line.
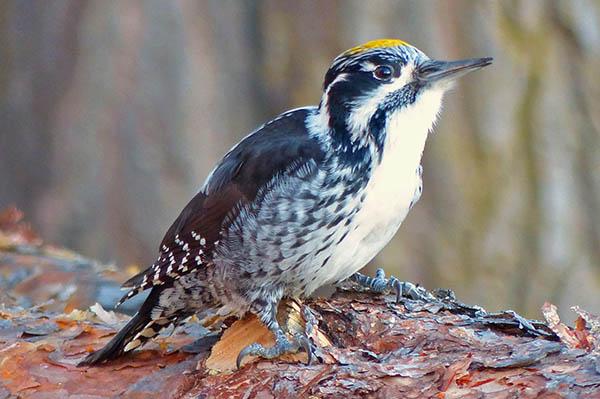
<point>384,73</point>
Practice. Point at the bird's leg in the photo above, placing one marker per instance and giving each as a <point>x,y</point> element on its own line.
<point>380,283</point>
<point>310,321</point>
<point>283,344</point>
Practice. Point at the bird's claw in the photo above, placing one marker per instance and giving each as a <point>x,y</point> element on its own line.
<point>403,289</point>
<point>282,346</point>
<point>306,345</point>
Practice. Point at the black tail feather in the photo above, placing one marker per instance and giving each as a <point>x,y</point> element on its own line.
<point>141,328</point>
<point>117,344</point>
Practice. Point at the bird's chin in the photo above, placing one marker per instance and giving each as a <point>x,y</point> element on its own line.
<point>442,85</point>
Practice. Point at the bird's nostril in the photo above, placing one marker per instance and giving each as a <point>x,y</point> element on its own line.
<point>427,68</point>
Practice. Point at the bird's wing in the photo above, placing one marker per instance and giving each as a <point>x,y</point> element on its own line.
<point>276,148</point>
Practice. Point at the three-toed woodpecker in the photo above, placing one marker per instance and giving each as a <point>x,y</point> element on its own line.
<point>306,200</point>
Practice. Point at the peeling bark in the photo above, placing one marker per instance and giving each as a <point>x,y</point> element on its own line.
<point>367,345</point>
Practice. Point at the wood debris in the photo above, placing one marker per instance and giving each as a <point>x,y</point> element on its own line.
<point>367,346</point>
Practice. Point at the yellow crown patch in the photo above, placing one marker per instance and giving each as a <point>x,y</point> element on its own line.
<point>380,43</point>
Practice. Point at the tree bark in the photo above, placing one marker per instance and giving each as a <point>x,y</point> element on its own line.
<point>366,345</point>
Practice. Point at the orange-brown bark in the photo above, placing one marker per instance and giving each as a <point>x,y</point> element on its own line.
<point>367,346</point>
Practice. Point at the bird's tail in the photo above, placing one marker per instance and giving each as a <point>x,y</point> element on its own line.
<point>141,328</point>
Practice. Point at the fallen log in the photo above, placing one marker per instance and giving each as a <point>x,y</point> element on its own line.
<point>367,345</point>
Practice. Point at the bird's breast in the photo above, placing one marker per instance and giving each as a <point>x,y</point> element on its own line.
<point>393,187</point>
<point>387,199</point>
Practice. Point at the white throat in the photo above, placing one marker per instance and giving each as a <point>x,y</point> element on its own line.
<point>395,180</point>
<point>407,130</point>
<point>392,188</point>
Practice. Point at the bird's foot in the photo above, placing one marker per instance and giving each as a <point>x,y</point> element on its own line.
<point>310,321</point>
<point>282,346</point>
<point>403,289</point>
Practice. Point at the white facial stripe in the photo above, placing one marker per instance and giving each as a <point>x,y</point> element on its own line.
<point>323,115</point>
<point>341,77</point>
<point>368,66</point>
<point>368,105</point>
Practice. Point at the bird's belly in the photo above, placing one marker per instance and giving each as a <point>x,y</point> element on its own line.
<point>276,249</point>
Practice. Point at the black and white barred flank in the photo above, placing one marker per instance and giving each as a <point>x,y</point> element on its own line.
<point>188,248</point>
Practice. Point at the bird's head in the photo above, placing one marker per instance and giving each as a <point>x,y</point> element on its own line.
<point>368,86</point>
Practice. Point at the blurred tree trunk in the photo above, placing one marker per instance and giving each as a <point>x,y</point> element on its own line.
<point>112,114</point>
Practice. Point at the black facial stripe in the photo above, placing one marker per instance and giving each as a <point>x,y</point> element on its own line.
<point>404,96</point>
<point>394,101</point>
<point>342,92</point>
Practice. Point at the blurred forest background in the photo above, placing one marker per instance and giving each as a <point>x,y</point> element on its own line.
<point>113,112</point>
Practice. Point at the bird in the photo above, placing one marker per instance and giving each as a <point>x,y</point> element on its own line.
<point>305,200</point>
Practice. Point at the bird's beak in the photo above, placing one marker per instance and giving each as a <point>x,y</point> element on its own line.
<point>432,71</point>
